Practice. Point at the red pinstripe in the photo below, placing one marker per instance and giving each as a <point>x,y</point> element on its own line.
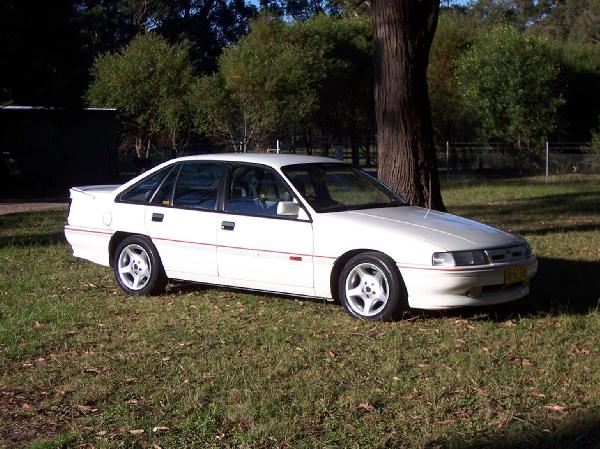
<point>422,267</point>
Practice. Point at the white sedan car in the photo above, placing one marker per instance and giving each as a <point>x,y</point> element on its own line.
<point>299,225</point>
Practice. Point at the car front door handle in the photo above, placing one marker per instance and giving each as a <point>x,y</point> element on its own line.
<point>158,217</point>
<point>227,225</point>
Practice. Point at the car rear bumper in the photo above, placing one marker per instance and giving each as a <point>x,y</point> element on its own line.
<point>89,243</point>
<point>433,288</point>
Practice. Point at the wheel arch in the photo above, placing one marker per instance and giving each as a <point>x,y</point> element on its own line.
<point>115,240</point>
<point>342,260</point>
<point>157,279</point>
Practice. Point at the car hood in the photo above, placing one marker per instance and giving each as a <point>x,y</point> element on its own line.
<point>448,231</point>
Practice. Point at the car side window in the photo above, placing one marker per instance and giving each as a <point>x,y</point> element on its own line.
<point>198,185</point>
<point>255,190</point>
<point>143,190</point>
<point>164,194</point>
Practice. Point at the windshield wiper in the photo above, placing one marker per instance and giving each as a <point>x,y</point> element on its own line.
<point>378,205</point>
<point>343,207</point>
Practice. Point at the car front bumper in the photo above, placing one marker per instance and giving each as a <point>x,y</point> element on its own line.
<point>447,288</point>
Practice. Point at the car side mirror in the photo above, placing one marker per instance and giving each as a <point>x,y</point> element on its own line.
<point>288,209</point>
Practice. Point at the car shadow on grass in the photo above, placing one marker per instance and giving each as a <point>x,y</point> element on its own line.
<point>29,229</point>
<point>560,287</point>
<point>33,219</point>
<point>573,203</point>
<point>586,227</point>
<point>26,241</point>
<point>578,431</point>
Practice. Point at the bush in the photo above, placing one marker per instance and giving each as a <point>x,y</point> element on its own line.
<point>509,80</point>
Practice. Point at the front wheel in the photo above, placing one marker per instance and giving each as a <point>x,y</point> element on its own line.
<point>371,288</point>
<point>138,268</point>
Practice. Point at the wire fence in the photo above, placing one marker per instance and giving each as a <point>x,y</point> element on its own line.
<point>554,158</point>
<point>464,158</point>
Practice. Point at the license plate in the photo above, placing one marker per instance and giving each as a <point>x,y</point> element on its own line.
<point>515,274</point>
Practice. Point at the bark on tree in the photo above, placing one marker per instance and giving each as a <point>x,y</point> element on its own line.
<point>403,32</point>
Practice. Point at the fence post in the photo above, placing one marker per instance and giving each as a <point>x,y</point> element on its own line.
<point>547,157</point>
<point>447,160</point>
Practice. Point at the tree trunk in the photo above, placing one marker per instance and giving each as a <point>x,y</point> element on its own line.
<point>403,32</point>
<point>308,140</point>
<point>138,146</point>
<point>173,142</point>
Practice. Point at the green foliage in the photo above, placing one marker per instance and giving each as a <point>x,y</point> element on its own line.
<point>594,146</point>
<point>345,84</point>
<point>522,14</point>
<point>580,84</point>
<point>216,114</point>
<point>573,21</point>
<point>271,78</point>
<point>509,80</point>
<point>314,68</point>
<point>578,81</point>
<point>300,9</point>
<point>148,82</point>
<point>177,78</point>
<point>287,78</point>
<point>452,119</point>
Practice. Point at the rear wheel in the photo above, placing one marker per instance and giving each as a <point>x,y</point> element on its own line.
<point>138,268</point>
<point>371,288</point>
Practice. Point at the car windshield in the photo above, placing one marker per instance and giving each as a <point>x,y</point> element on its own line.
<point>331,187</point>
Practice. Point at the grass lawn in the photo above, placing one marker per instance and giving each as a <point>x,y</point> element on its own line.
<point>84,365</point>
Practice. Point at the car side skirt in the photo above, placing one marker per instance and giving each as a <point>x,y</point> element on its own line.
<point>243,284</point>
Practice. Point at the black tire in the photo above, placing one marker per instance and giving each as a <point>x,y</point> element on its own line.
<point>375,265</point>
<point>138,254</point>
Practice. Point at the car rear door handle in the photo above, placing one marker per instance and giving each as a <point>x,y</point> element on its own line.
<point>227,225</point>
<point>158,217</point>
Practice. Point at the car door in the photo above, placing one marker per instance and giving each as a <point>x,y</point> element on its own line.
<point>256,247</point>
<point>181,219</point>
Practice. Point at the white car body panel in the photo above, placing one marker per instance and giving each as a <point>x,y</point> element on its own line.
<point>297,256</point>
<point>90,237</point>
<point>185,240</point>
<point>274,252</point>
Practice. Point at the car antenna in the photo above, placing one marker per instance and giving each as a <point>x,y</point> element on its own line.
<point>429,209</point>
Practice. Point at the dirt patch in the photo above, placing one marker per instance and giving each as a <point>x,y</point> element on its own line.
<point>14,208</point>
<point>22,424</point>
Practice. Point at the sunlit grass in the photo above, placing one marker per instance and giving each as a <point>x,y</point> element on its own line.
<point>83,364</point>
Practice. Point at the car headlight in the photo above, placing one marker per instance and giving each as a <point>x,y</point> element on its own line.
<point>460,258</point>
<point>442,259</point>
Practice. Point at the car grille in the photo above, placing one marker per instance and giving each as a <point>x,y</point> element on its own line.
<point>501,255</point>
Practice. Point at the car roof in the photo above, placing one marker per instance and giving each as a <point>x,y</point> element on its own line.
<point>271,159</point>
